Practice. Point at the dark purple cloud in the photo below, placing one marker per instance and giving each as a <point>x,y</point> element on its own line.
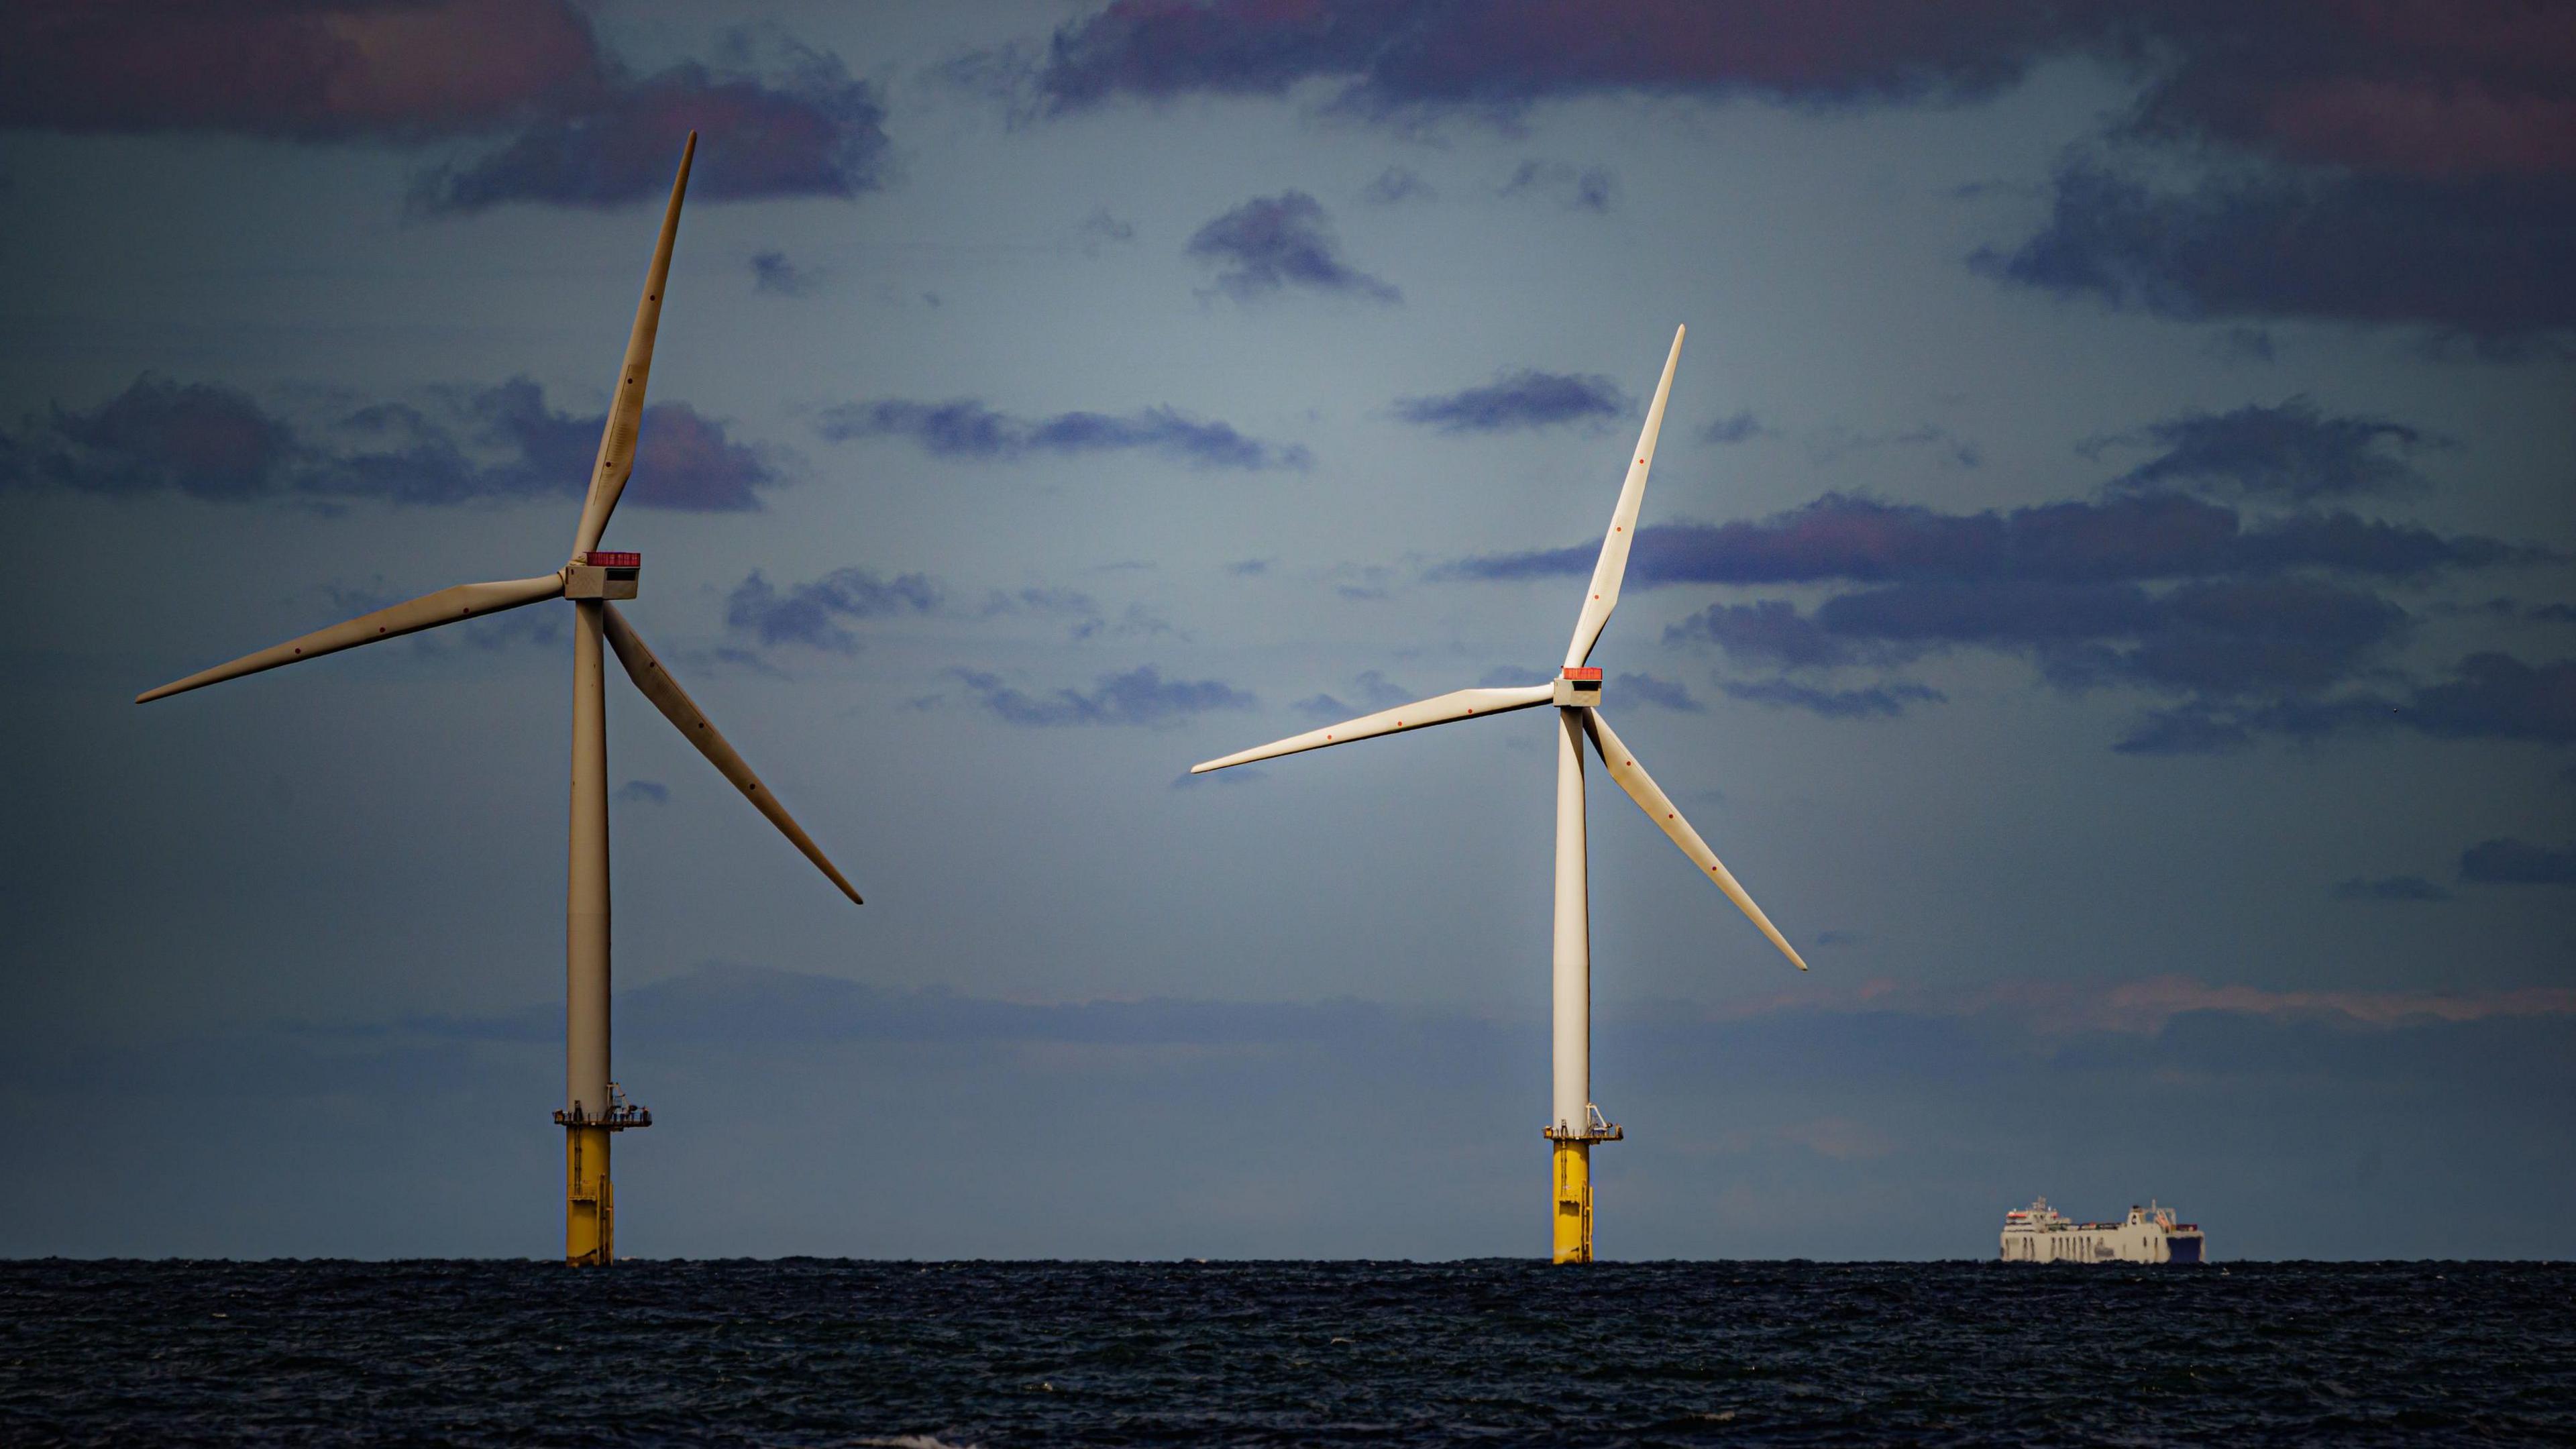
<point>2492,258</point>
<point>2488,696</point>
<point>2516,862</point>
<point>2134,537</point>
<point>2496,696</point>
<point>643,792</point>
<point>1272,243</point>
<point>965,428</point>
<point>2390,888</point>
<point>217,444</point>
<point>811,614</point>
<point>573,125</point>
<point>2397,161</point>
<point>2291,452</point>
<point>1522,399</point>
<point>1141,696</point>
<point>2253,626</point>
<point>817,133</point>
<point>1395,56</point>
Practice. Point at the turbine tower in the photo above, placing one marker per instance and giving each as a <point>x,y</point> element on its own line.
<point>1576,692</point>
<point>593,1106</point>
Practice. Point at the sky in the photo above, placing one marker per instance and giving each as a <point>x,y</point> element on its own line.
<point>2107,587</point>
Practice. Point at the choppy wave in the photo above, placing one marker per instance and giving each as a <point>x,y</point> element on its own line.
<point>954,1355</point>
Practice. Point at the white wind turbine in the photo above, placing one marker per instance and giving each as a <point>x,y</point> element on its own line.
<point>1577,694</point>
<point>593,1106</point>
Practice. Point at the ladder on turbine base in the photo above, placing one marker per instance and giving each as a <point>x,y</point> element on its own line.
<point>1573,1178</point>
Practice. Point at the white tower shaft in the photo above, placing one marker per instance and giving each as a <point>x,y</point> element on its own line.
<point>586,900</point>
<point>1573,938</point>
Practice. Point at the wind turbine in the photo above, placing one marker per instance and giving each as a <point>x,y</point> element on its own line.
<point>1576,692</point>
<point>593,1105</point>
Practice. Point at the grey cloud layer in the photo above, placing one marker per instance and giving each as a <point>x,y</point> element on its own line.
<point>218,444</point>
<point>2254,623</point>
<point>1519,399</point>
<point>2404,163</point>
<point>966,428</point>
<point>1140,696</point>
<point>1272,244</point>
<point>2292,452</point>
<point>573,125</point>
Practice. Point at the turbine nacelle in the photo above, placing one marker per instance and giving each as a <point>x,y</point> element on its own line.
<point>601,575</point>
<point>1578,688</point>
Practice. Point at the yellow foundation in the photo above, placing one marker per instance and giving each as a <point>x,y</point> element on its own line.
<point>590,1202</point>
<point>1574,1202</point>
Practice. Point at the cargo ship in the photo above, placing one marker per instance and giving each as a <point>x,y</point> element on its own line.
<point>2041,1234</point>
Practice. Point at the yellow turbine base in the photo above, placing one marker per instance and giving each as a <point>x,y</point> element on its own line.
<point>1573,1202</point>
<point>590,1201</point>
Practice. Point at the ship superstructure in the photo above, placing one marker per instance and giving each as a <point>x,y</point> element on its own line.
<point>2041,1234</point>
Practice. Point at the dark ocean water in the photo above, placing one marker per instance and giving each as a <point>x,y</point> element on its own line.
<point>824,1352</point>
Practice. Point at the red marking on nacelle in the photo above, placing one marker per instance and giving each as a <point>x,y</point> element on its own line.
<point>1574,672</point>
<point>613,560</point>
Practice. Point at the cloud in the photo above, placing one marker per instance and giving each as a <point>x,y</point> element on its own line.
<point>643,792</point>
<point>966,428</point>
<point>1587,188</point>
<point>2408,163</point>
<point>2134,537</point>
<point>2290,452</point>
<point>771,272</point>
<point>2252,624</point>
<point>1398,57</point>
<point>2492,258</point>
<point>1773,632</point>
<point>2489,696</point>
<point>2515,862</point>
<point>816,614</point>
<point>573,125</point>
<point>1742,427</point>
<point>810,613</point>
<point>216,444</point>
<point>1880,701</point>
<point>1398,183</point>
<point>1646,689</point>
<point>2390,888</point>
<point>1522,399</point>
<point>1141,696</point>
<point>816,133</point>
<point>1272,243</point>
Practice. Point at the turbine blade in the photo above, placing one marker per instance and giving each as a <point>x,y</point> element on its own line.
<point>1440,709</point>
<point>683,712</point>
<point>426,612</point>
<point>626,408</point>
<point>1641,787</point>
<point>1603,595</point>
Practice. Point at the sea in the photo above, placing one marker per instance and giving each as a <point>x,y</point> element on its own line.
<point>1497,1352</point>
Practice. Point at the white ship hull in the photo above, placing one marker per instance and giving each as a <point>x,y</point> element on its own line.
<point>2040,1234</point>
